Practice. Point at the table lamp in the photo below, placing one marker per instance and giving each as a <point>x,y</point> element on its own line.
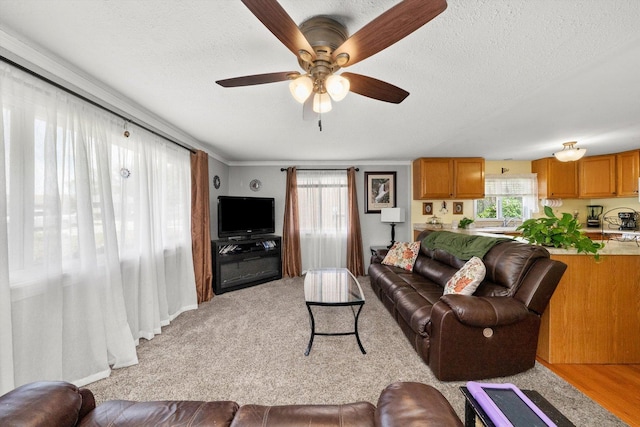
<point>393,216</point>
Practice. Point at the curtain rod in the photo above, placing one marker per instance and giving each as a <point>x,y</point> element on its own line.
<point>95,104</point>
<point>320,169</point>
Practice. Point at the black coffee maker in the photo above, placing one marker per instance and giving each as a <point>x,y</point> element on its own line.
<point>593,215</point>
<point>628,220</point>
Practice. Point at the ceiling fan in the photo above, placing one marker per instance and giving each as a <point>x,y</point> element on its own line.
<point>323,46</point>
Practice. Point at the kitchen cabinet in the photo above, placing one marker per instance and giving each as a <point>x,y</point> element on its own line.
<point>447,178</point>
<point>556,179</point>
<point>468,181</point>
<point>627,173</point>
<point>605,176</point>
<point>597,176</point>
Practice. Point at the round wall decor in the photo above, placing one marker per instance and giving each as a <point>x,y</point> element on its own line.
<point>255,184</point>
<point>125,173</point>
<point>216,182</point>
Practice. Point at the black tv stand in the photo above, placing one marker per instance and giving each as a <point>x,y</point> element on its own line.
<point>244,262</point>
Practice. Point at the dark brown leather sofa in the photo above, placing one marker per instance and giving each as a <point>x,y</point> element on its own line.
<point>492,333</point>
<point>61,404</point>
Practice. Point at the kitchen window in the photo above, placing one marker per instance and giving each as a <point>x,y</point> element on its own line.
<point>507,197</point>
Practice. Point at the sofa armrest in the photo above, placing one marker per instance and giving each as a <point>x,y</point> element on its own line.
<point>411,404</point>
<point>378,256</point>
<point>483,312</point>
<point>44,403</point>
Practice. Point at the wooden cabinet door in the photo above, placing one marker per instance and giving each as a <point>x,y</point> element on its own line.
<point>432,178</point>
<point>541,167</point>
<point>597,176</point>
<point>562,180</point>
<point>556,179</point>
<point>628,171</point>
<point>468,178</point>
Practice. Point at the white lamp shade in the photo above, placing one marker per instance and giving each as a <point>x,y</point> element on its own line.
<point>569,153</point>
<point>301,88</point>
<point>337,86</point>
<point>321,103</point>
<point>394,215</point>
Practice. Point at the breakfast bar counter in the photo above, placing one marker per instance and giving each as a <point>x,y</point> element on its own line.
<point>594,314</point>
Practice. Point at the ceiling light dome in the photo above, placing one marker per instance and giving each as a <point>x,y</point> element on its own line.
<point>301,88</point>
<point>337,87</point>
<point>321,103</point>
<point>569,153</point>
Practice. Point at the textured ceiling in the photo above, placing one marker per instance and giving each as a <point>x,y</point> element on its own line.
<point>501,79</point>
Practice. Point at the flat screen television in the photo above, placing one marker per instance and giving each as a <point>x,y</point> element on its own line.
<point>245,216</point>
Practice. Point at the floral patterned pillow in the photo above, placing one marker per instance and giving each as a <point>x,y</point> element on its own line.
<point>402,255</point>
<point>467,279</point>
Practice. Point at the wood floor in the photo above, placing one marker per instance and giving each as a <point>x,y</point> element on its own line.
<point>615,387</point>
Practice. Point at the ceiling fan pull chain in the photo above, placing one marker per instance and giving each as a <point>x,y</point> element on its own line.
<point>320,121</point>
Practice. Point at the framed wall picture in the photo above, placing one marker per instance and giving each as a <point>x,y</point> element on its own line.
<point>427,208</point>
<point>380,191</point>
<point>458,208</point>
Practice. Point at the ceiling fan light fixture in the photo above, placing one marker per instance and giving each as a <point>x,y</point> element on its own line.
<point>569,153</point>
<point>337,86</point>
<point>321,103</point>
<point>301,88</point>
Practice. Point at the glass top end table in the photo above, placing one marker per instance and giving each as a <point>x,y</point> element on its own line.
<point>333,287</point>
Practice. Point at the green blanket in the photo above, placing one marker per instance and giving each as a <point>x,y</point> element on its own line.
<point>463,246</point>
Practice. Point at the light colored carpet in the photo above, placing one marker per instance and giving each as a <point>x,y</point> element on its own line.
<point>248,346</point>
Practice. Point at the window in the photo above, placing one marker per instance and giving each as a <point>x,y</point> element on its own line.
<point>322,197</point>
<point>508,196</point>
<point>323,204</point>
<point>91,253</point>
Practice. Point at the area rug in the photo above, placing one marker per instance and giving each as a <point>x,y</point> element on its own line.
<point>248,346</point>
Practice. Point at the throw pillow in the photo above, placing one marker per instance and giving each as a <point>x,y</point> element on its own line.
<point>467,279</point>
<point>402,255</point>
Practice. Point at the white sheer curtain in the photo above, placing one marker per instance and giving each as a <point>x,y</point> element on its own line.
<point>65,303</point>
<point>153,211</point>
<point>323,204</point>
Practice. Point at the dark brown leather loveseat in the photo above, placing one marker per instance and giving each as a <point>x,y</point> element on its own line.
<point>493,332</point>
<point>62,404</point>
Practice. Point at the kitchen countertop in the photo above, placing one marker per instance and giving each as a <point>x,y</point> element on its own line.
<point>612,247</point>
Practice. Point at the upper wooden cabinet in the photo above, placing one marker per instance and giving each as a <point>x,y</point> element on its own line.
<point>609,175</point>
<point>627,173</point>
<point>446,178</point>
<point>597,176</point>
<point>556,179</point>
<point>468,179</point>
<point>432,178</point>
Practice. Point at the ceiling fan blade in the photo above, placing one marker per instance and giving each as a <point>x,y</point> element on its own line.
<point>389,28</point>
<point>374,88</point>
<point>278,21</point>
<point>258,79</point>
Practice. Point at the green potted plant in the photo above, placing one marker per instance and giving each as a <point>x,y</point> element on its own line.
<point>465,222</point>
<point>558,232</point>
